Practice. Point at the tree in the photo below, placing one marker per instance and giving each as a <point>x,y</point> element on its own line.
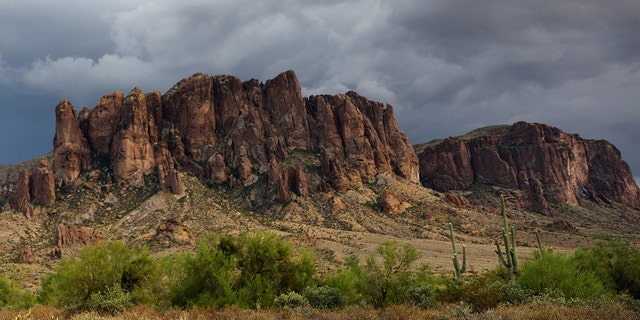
<point>101,274</point>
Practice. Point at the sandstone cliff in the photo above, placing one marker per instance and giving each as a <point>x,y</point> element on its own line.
<point>546,164</point>
<point>227,132</point>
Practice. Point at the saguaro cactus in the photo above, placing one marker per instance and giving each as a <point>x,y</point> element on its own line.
<point>460,269</point>
<point>509,239</point>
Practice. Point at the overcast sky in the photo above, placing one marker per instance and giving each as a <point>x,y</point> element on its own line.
<point>447,66</point>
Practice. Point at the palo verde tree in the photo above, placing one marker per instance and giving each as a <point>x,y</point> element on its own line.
<point>107,276</point>
<point>390,282</point>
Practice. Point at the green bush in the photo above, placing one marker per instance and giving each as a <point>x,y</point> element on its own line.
<point>96,271</point>
<point>380,285</point>
<point>616,263</point>
<point>205,279</point>
<point>249,271</point>
<point>347,282</point>
<point>559,273</point>
<point>113,299</point>
<point>324,297</point>
<point>422,296</point>
<point>268,267</point>
<point>291,300</point>
<point>13,295</point>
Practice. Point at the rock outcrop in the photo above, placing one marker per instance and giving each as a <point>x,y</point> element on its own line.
<point>71,153</point>
<point>42,184</point>
<point>545,163</point>
<point>21,197</point>
<point>69,235</point>
<point>37,186</point>
<point>173,231</point>
<point>227,133</point>
<point>26,255</point>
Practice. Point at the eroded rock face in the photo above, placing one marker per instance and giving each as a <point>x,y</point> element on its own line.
<point>545,163</point>
<point>172,232</point>
<point>132,151</point>
<point>102,122</point>
<point>42,184</point>
<point>21,198</point>
<point>71,153</point>
<point>26,255</point>
<point>174,182</point>
<point>69,235</point>
<point>228,132</point>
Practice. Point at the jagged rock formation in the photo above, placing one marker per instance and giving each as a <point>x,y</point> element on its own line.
<point>42,184</point>
<point>69,235</point>
<point>392,204</point>
<point>37,186</point>
<point>71,153</point>
<point>26,255</point>
<point>546,164</point>
<point>227,132</point>
<point>21,198</point>
<point>173,231</point>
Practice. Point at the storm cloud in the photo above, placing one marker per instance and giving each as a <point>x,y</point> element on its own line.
<point>447,66</point>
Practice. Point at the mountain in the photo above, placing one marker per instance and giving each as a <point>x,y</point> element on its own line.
<point>544,164</point>
<point>227,132</point>
<point>330,172</point>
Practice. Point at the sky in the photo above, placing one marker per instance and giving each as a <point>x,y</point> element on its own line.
<point>447,66</point>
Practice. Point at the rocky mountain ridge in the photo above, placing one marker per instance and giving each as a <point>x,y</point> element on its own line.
<point>226,133</point>
<point>544,164</point>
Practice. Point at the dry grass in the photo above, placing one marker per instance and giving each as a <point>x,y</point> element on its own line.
<point>547,310</point>
<point>541,310</point>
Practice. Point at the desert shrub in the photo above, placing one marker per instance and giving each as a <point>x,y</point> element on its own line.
<point>13,295</point>
<point>483,292</point>
<point>113,299</point>
<point>378,284</point>
<point>269,267</point>
<point>347,282</point>
<point>324,297</point>
<point>206,278</point>
<point>291,300</point>
<point>250,271</point>
<point>616,263</point>
<point>560,274</point>
<point>96,271</point>
<point>422,296</point>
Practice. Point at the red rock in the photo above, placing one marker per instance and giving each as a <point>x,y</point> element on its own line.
<point>217,171</point>
<point>213,126</point>
<point>132,151</point>
<point>457,199</point>
<point>42,184</point>
<point>70,235</point>
<point>26,255</point>
<point>545,163</point>
<point>175,183</point>
<point>103,122</point>
<point>174,232</point>
<point>71,153</point>
<point>450,168</point>
<point>21,198</point>
<point>391,204</point>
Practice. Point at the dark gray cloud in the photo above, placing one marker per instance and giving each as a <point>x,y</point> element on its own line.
<point>447,66</point>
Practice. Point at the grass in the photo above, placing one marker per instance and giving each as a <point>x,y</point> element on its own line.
<point>543,309</point>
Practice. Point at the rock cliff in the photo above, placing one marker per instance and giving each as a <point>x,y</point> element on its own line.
<point>546,164</point>
<point>227,132</point>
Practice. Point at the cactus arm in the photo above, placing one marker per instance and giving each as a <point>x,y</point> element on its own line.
<point>464,259</point>
<point>456,263</point>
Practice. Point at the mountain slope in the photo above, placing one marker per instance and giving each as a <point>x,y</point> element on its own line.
<point>331,172</point>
